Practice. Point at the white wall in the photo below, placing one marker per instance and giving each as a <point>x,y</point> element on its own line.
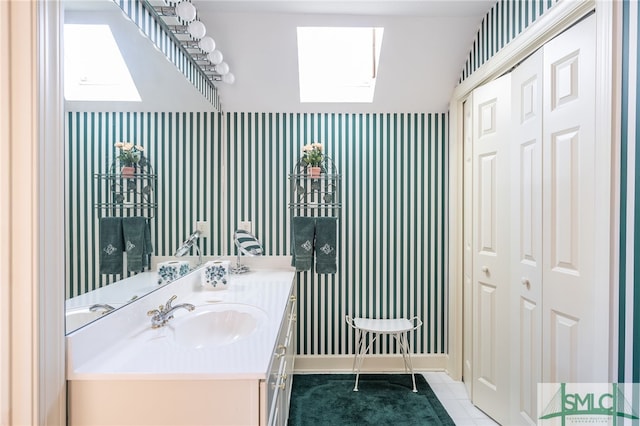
<point>267,79</point>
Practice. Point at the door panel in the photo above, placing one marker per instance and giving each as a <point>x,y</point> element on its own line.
<point>526,238</point>
<point>564,77</point>
<point>564,155</point>
<point>528,360</point>
<point>528,215</point>
<point>492,112</point>
<point>487,204</point>
<point>487,335</point>
<point>563,348</point>
<point>571,311</point>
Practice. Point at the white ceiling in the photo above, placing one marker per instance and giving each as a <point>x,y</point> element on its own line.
<point>425,45</point>
<point>424,48</point>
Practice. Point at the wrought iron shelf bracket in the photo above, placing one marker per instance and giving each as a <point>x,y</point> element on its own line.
<point>126,195</point>
<point>315,193</point>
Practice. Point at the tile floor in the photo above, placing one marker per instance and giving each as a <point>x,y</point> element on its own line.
<point>454,398</point>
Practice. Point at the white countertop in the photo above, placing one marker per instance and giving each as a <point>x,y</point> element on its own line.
<point>123,346</point>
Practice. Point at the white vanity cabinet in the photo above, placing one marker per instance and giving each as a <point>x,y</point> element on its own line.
<point>278,385</point>
<point>145,379</point>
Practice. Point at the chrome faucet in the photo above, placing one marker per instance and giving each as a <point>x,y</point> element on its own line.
<point>106,308</point>
<point>186,247</point>
<point>161,316</point>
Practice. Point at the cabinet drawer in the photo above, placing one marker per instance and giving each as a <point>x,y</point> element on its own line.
<point>278,387</point>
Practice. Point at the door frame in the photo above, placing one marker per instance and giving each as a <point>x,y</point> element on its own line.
<point>32,363</point>
<point>557,19</point>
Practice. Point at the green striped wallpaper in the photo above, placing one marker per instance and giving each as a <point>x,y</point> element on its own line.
<point>182,152</point>
<point>232,167</point>
<point>505,20</point>
<point>391,227</point>
<point>629,290</point>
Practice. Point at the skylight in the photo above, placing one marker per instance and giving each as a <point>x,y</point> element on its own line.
<point>94,69</point>
<point>338,64</point>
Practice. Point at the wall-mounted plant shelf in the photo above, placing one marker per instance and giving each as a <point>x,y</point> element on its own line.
<point>315,193</point>
<point>127,195</point>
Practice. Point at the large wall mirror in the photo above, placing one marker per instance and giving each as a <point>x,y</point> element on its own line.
<point>120,88</point>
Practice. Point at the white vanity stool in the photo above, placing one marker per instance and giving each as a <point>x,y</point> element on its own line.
<point>397,327</point>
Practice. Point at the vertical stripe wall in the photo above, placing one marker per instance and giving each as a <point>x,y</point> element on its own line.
<point>233,167</point>
<point>181,149</point>
<point>504,21</point>
<point>629,276</point>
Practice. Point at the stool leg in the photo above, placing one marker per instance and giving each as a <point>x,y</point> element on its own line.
<point>360,351</point>
<point>355,358</point>
<point>406,350</point>
<point>363,351</point>
<point>400,341</point>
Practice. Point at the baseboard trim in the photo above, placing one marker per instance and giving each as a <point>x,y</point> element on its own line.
<point>371,364</point>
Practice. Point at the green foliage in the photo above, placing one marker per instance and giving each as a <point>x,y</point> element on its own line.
<point>129,154</point>
<point>312,155</point>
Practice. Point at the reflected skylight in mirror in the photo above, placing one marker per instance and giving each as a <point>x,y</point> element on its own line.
<point>94,69</point>
<point>338,64</point>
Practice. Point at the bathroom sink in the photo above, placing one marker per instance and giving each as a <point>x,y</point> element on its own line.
<point>216,325</point>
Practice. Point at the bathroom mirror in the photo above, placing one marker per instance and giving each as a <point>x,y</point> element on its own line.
<point>121,88</point>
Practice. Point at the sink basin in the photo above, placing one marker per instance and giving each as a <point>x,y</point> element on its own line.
<point>217,325</point>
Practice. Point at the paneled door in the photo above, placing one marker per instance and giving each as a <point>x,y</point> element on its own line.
<point>575,306</point>
<point>526,239</point>
<point>491,123</point>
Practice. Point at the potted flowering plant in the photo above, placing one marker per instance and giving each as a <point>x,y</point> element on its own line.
<point>129,156</point>
<point>312,157</point>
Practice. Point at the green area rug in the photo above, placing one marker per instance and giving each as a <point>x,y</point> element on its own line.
<point>382,399</point>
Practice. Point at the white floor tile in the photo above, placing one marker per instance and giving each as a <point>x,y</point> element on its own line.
<point>433,377</point>
<point>454,408</point>
<point>454,398</point>
<point>443,391</point>
<point>472,410</point>
<point>459,390</point>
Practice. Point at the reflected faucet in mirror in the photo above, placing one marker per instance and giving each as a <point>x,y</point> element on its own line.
<point>186,247</point>
<point>101,307</point>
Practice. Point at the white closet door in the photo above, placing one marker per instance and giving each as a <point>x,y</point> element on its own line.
<point>467,292</point>
<point>491,122</point>
<point>526,239</point>
<point>575,347</point>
